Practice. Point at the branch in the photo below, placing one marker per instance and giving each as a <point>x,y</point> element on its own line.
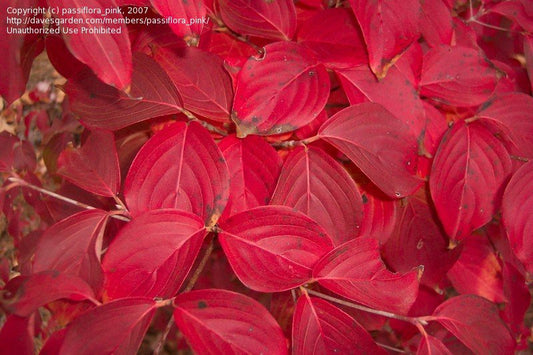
<point>164,335</point>
<point>522,159</point>
<point>200,267</point>
<point>223,28</point>
<point>387,347</point>
<point>22,182</point>
<point>189,287</point>
<point>206,125</point>
<point>294,143</point>
<point>286,144</point>
<point>481,11</point>
<point>413,320</point>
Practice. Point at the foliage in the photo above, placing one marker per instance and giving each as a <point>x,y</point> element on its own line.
<point>307,177</point>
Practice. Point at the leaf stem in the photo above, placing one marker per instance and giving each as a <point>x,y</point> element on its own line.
<point>22,182</point>
<point>121,205</point>
<point>412,320</point>
<point>310,139</point>
<point>165,302</point>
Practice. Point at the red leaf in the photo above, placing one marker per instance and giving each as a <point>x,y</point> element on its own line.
<point>388,28</point>
<point>419,240</point>
<point>189,11</point>
<point>458,76</point>
<point>311,129</point>
<point>272,248</point>
<point>436,23</point>
<point>225,46</point>
<point>475,322</point>
<point>314,183</point>
<point>73,246</point>
<point>528,53</point>
<point>432,346</point>
<point>16,335</point>
<point>380,144</point>
<point>179,167</point>
<point>18,50</point>
<point>207,92</point>
<point>133,2</point>
<point>512,114</point>
<point>16,154</point>
<point>94,167</point>
<point>435,128</point>
<point>268,96</point>
<point>266,19</point>
<point>254,168</point>
<point>516,291</point>
<point>5,263</point>
<point>517,205</point>
<point>224,322</point>
<point>24,294</point>
<point>410,63</point>
<point>379,214</point>
<point>116,327</point>
<point>355,270</point>
<point>156,264</point>
<point>150,39</point>
<point>469,170</point>
<point>107,54</point>
<point>53,343</point>
<point>395,92</point>
<point>152,94</point>
<point>334,35</point>
<point>519,11</point>
<point>61,58</point>
<point>478,270</point>
<point>318,327</point>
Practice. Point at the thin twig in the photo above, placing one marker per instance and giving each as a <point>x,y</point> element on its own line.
<point>206,125</point>
<point>10,186</point>
<point>412,320</point>
<point>294,143</point>
<point>480,13</point>
<point>164,335</point>
<point>286,144</point>
<point>201,266</point>
<point>522,159</point>
<point>24,183</point>
<point>241,38</point>
<point>189,287</point>
<point>391,348</point>
<point>294,297</point>
<point>492,26</point>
